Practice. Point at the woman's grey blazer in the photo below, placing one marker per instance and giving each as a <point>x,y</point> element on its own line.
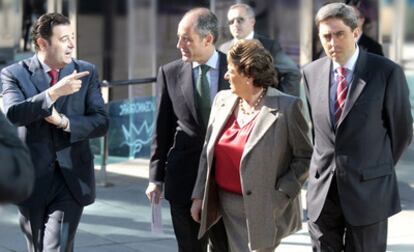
<point>273,167</point>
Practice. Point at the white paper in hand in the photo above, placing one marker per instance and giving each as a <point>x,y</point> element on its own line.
<point>156,221</point>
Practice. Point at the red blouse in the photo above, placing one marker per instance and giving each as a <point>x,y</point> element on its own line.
<point>228,152</point>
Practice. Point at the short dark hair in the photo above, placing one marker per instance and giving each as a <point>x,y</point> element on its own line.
<point>43,27</point>
<point>254,61</point>
<point>340,11</point>
<point>206,23</point>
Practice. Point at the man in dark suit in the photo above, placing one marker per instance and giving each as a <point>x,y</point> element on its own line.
<point>241,20</point>
<point>59,102</point>
<point>365,42</point>
<point>16,173</point>
<point>361,115</point>
<point>184,99</point>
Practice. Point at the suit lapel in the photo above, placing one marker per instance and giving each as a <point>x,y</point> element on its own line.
<point>38,78</point>
<point>225,108</point>
<point>65,71</point>
<point>222,83</point>
<point>266,117</point>
<point>185,81</point>
<point>322,103</point>
<point>358,84</point>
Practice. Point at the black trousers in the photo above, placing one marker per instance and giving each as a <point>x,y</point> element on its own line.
<point>186,232</point>
<point>331,232</point>
<point>50,223</point>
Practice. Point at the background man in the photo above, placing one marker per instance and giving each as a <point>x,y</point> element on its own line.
<point>58,100</point>
<point>186,89</point>
<point>241,20</point>
<point>361,115</point>
<point>364,41</point>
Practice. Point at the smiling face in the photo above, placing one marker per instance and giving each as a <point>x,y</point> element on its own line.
<point>240,23</point>
<point>237,80</point>
<point>58,52</point>
<point>338,40</point>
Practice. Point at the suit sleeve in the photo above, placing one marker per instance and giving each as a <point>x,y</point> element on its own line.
<point>94,122</point>
<point>288,71</point>
<point>16,173</point>
<point>308,102</point>
<point>165,125</point>
<point>21,110</point>
<point>398,112</point>
<point>291,182</point>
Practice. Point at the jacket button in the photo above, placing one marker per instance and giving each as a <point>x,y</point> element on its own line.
<point>248,192</point>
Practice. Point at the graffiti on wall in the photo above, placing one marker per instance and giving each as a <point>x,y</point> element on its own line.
<point>131,127</point>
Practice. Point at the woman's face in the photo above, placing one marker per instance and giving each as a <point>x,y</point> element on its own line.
<point>238,81</point>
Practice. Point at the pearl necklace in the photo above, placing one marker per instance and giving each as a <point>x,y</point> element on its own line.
<point>256,103</point>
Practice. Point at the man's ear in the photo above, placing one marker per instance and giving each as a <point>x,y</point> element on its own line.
<point>209,39</point>
<point>253,21</point>
<point>356,33</point>
<point>43,43</point>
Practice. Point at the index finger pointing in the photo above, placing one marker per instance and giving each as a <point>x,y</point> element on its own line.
<point>80,75</point>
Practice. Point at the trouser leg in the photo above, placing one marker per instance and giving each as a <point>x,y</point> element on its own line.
<point>186,229</point>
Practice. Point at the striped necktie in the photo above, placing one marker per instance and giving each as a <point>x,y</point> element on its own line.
<point>341,92</point>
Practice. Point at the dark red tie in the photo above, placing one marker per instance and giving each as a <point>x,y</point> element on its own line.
<point>54,76</point>
<point>341,92</point>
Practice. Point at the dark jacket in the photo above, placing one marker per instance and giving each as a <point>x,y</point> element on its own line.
<point>24,95</point>
<point>179,132</point>
<point>16,172</point>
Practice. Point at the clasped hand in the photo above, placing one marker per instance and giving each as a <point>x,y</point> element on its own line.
<point>54,118</point>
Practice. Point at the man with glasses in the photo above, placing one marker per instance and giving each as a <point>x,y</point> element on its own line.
<point>241,20</point>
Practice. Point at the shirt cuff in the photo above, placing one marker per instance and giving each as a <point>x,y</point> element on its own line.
<point>65,121</point>
<point>49,101</point>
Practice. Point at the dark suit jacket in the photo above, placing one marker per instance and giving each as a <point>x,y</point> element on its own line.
<point>373,131</point>
<point>24,97</point>
<point>289,74</point>
<point>16,173</point>
<point>370,45</point>
<point>179,133</point>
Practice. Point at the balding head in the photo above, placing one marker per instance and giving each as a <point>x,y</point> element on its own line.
<point>204,22</point>
<point>197,33</point>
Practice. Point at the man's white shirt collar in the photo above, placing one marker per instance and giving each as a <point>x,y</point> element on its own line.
<point>350,64</point>
<point>212,62</point>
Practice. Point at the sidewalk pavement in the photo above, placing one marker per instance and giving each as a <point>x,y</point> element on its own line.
<point>119,220</point>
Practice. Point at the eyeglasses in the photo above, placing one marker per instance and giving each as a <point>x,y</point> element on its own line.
<point>238,19</point>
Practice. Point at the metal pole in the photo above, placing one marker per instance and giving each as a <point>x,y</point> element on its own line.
<point>107,75</point>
